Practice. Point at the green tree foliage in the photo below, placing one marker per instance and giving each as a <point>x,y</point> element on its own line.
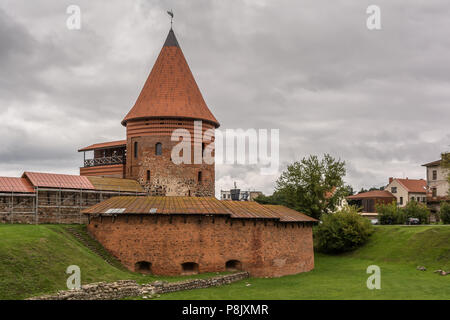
<point>417,210</point>
<point>446,165</point>
<point>342,231</point>
<point>392,214</point>
<point>348,191</point>
<point>444,213</point>
<point>305,186</point>
<point>273,199</point>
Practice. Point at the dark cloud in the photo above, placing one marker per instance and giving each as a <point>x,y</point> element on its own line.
<point>377,99</point>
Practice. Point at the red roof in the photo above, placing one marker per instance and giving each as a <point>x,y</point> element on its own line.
<point>53,180</point>
<point>15,185</point>
<point>372,194</point>
<point>198,206</point>
<point>170,90</point>
<point>414,185</point>
<point>104,145</point>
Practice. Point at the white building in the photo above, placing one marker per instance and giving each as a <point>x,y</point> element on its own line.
<point>405,190</point>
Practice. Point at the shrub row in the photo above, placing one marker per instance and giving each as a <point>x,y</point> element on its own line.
<point>392,214</point>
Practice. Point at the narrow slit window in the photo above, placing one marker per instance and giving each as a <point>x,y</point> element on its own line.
<point>199,178</point>
<point>135,149</point>
<point>158,149</point>
<point>148,175</point>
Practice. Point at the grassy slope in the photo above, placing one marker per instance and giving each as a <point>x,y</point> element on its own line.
<point>33,260</point>
<point>397,250</point>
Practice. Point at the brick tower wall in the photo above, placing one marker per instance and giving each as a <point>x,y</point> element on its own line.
<point>264,248</point>
<point>166,177</point>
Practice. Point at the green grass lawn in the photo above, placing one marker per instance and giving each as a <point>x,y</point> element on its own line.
<point>33,261</point>
<point>397,250</point>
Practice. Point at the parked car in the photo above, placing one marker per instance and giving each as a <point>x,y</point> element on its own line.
<point>374,221</point>
<point>412,221</point>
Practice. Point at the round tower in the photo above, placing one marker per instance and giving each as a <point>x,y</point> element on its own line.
<point>169,100</point>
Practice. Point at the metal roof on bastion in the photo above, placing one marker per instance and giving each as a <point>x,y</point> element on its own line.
<point>198,206</point>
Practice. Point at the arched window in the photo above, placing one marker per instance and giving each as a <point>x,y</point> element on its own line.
<point>135,149</point>
<point>148,175</point>
<point>158,149</point>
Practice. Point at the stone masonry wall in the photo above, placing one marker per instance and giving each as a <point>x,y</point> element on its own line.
<point>129,288</point>
<point>166,177</point>
<point>263,248</point>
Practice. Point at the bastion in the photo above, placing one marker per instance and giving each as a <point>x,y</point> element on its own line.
<point>188,235</point>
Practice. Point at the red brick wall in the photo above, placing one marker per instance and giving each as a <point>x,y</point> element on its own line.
<point>166,178</point>
<point>264,248</point>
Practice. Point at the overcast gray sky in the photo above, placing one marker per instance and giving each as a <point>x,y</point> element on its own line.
<point>377,99</point>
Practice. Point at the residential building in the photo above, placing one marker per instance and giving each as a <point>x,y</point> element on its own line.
<point>438,186</point>
<point>405,190</point>
<point>368,201</point>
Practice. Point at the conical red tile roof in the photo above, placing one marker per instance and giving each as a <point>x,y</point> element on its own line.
<point>170,90</point>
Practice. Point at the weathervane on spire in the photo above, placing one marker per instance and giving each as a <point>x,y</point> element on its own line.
<point>170,13</point>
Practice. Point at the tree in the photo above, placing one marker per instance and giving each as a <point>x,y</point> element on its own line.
<point>444,213</point>
<point>312,186</point>
<point>348,191</point>
<point>390,213</point>
<point>446,165</point>
<point>417,210</point>
<point>275,198</point>
<point>342,231</point>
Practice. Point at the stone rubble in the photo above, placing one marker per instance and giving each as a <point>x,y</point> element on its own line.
<point>130,288</point>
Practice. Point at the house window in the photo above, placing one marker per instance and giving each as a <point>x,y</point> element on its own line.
<point>424,199</point>
<point>394,189</point>
<point>135,149</point>
<point>158,149</point>
<point>401,200</point>
<point>412,198</point>
<point>199,178</point>
<point>434,174</point>
<point>148,175</point>
<point>434,192</point>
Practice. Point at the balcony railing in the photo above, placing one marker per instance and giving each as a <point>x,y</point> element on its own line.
<point>105,161</point>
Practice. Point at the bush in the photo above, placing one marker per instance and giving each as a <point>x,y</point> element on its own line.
<point>416,210</point>
<point>390,214</point>
<point>445,212</point>
<point>342,231</point>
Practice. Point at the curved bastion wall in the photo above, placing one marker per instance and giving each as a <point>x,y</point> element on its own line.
<point>182,244</point>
